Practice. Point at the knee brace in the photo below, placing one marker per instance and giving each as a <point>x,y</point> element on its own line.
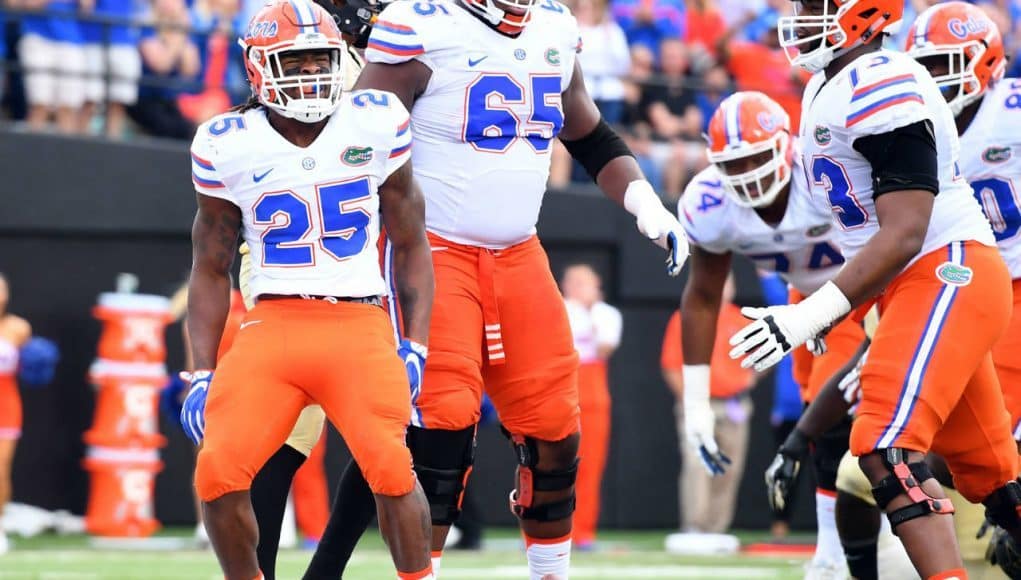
<point>906,479</point>
<point>827,452</point>
<point>443,461</point>
<point>1003,506</point>
<point>531,480</point>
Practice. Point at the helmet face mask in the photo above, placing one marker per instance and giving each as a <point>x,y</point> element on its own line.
<point>295,60</point>
<point>822,30</point>
<point>962,49</point>
<point>756,176</point>
<point>750,145</point>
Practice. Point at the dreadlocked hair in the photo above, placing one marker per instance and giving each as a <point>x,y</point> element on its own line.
<point>251,103</point>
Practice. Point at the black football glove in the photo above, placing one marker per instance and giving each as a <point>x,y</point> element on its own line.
<point>783,471</point>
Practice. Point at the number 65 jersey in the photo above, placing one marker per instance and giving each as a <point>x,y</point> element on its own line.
<point>485,123</point>
<point>310,215</point>
<point>991,162</point>
<point>877,93</point>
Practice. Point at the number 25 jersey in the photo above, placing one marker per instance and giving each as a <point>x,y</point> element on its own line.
<point>485,123</point>
<point>310,215</point>
<point>878,93</point>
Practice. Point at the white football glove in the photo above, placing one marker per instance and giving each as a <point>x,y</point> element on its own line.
<point>700,421</point>
<point>657,223</point>
<point>850,384</point>
<point>778,330</point>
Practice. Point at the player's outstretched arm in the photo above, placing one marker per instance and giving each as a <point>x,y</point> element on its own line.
<point>214,238</point>
<point>700,309</point>
<point>403,209</point>
<point>609,161</point>
<point>905,177</point>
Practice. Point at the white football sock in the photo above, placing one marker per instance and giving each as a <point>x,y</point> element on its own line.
<point>436,557</point>
<point>548,559</point>
<point>827,544</point>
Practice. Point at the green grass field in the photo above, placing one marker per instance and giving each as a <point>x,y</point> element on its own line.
<point>622,555</point>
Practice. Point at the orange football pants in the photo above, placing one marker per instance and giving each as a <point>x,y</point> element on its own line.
<point>311,500</point>
<point>811,372</point>
<point>498,320</point>
<point>594,394</point>
<point>929,382</point>
<point>10,408</point>
<point>1007,360</point>
<point>293,352</point>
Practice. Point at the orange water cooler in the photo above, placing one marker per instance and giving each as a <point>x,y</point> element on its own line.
<point>124,440</point>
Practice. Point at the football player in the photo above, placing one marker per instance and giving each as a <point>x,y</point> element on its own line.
<point>305,174</point>
<point>754,200</point>
<point>490,84</point>
<point>963,50</point>
<point>272,484</point>
<point>878,140</point>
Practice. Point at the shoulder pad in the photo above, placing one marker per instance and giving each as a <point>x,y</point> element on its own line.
<point>703,210</point>
<point>408,29</point>
<point>886,92</point>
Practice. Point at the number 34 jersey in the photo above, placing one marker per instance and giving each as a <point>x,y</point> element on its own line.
<point>877,93</point>
<point>310,215</point>
<point>801,248</point>
<point>484,126</point>
<point>991,162</point>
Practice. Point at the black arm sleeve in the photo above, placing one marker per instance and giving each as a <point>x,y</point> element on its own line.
<point>598,148</point>
<point>902,159</point>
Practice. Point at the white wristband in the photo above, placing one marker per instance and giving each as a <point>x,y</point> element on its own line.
<point>827,304</point>
<point>696,383</point>
<point>639,194</point>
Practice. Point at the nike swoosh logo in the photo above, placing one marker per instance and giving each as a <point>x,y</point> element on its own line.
<point>258,178</point>
<point>249,323</point>
<point>472,63</point>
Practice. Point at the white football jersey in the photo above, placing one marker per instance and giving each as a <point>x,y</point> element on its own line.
<point>991,162</point>
<point>484,126</point>
<point>310,216</point>
<point>594,327</point>
<point>801,248</point>
<point>877,93</point>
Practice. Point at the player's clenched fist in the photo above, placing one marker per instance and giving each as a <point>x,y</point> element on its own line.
<point>193,412</point>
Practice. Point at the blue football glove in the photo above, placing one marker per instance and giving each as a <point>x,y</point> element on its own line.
<point>487,413</point>
<point>170,399</point>
<point>39,357</point>
<point>413,355</point>
<point>193,411</point>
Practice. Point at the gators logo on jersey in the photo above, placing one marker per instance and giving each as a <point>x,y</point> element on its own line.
<point>553,56</point>
<point>954,274</point>
<point>997,154</point>
<point>823,135</point>
<point>356,156</point>
<point>819,230</point>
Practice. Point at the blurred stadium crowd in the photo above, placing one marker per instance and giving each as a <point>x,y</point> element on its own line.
<point>657,68</point>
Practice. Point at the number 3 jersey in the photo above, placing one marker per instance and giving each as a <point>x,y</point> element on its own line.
<point>878,93</point>
<point>800,248</point>
<point>485,123</point>
<point>310,216</point>
<point>991,162</point>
